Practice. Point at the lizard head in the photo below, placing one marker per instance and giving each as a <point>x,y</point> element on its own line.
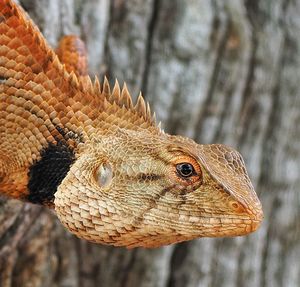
<point>134,188</point>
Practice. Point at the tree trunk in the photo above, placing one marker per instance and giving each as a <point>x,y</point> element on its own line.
<point>217,71</point>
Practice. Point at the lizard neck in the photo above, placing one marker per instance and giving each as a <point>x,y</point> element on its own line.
<point>33,172</point>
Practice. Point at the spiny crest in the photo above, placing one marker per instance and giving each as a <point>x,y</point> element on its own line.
<point>70,83</point>
<point>122,98</point>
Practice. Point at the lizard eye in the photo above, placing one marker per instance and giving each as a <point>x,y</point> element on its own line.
<point>185,169</point>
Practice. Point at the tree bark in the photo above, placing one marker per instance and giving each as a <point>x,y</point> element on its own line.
<point>217,71</point>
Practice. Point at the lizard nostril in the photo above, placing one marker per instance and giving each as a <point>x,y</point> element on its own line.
<point>235,205</point>
<point>239,208</point>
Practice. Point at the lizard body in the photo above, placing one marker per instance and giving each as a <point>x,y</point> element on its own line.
<point>111,174</point>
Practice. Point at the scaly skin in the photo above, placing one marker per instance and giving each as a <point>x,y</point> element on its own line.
<point>102,163</point>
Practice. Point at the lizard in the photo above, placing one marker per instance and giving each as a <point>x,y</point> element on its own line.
<point>100,161</point>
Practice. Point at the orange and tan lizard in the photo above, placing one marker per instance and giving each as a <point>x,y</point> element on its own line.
<point>111,174</point>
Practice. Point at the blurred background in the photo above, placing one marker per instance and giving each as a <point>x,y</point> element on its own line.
<point>217,71</point>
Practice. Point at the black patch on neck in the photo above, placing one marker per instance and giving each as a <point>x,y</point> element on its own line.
<point>46,174</point>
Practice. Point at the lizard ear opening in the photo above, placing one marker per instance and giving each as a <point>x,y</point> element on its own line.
<point>104,175</point>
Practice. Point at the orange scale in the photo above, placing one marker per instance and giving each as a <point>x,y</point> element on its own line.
<point>45,96</point>
<point>58,81</point>
<point>46,107</point>
<point>29,85</point>
<point>56,121</point>
<point>10,74</point>
<point>10,108</point>
<point>56,93</point>
<point>12,34</point>
<point>51,74</point>
<point>52,102</point>
<point>64,120</point>
<point>60,107</point>
<point>4,50</point>
<point>73,120</point>
<point>32,118</point>
<point>36,68</point>
<point>3,29</point>
<point>27,40</point>
<point>10,64</point>
<point>40,78</point>
<point>41,114</point>
<point>82,117</point>
<point>22,122</point>
<point>27,132</point>
<point>35,109</point>
<point>38,89</point>
<point>13,54</point>
<point>28,105</point>
<point>19,75</point>
<point>23,50</point>
<point>19,83</point>
<point>48,84</point>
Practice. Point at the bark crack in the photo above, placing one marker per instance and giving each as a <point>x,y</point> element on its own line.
<point>214,77</point>
<point>149,45</point>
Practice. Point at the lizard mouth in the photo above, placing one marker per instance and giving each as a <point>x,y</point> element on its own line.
<point>255,225</point>
<point>256,222</point>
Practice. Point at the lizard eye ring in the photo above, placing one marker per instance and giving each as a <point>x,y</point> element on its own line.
<point>187,170</point>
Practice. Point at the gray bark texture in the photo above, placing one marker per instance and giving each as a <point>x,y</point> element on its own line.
<point>216,71</point>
